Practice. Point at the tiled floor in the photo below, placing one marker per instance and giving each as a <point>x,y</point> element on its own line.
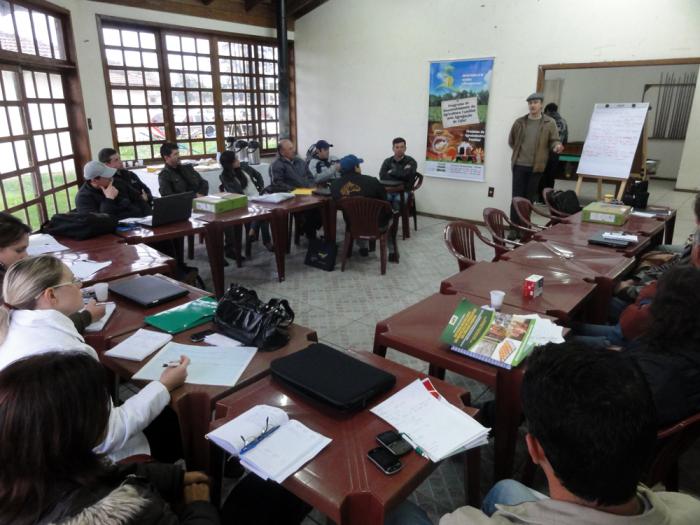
<point>344,308</point>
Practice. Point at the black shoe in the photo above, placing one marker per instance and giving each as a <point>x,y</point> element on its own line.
<point>513,235</point>
<point>364,252</point>
<point>393,258</point>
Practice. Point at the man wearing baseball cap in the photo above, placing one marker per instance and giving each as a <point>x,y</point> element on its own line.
<point>532,138</point>
<point>322,165</point>
<point>102,193</point>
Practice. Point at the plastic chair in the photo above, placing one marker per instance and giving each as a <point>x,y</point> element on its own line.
<point>411,205</point>
<point>459,238</point>
<point>496,222</point>
<point>547,196</point>
<point>362,216</point>
<point>524,209</point>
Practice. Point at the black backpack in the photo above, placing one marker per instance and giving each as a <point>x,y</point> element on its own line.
<point>80,226</point>
<point>636,193</point>
<point>566,201</point>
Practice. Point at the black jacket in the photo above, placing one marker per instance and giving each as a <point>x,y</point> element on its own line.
<point>128,203</point>
<point>134,494</point>
<point>134,184</point>
<point>356,185</point>
<point>184,178</point>
<point>234,180</point>
<point>403,170</point>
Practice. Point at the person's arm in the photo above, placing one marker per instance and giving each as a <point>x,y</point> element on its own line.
<point>81,320</point>
<point>203,184</point>
<point>85,203</point>
<point>165,185</point>
<point>321,173</point>
<point>230,183</point>
<point>277,176</point>
<point>512,134</point>
<point>384,170</point>
<point>554,142</point>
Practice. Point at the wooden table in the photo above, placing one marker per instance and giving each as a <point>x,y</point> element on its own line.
<point>340,481</point>
<point>645,226</point>
<point>194,403</point>
<point>563,297</point>
<point>416,331</point>
<point>577,234</point>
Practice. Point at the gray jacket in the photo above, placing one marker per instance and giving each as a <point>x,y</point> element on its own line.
<point>291,174</point>
<point>323,170</point>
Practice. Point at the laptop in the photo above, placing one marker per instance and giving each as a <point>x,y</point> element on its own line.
<point>166,210</point>
<point>147,290</point>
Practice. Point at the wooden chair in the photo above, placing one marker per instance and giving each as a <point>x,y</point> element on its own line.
<point>547,196</point>
<point>524,209</point>
<point>672,442</point>
<point>362,217</point>
<point>459,238</point>
<point>496,222</point>
<point>411,205</point>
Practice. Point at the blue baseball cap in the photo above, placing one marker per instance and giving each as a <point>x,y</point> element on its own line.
<point>349,162</point>
<point>322,144</point>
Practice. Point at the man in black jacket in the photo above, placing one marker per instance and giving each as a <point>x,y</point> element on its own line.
<point>399,167</point>
<point>110,158</point>
<point>102,193</point>
<point>179,178</point>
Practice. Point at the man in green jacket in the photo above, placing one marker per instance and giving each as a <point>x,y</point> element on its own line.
<point>177,177</point>
<point>532,138</point>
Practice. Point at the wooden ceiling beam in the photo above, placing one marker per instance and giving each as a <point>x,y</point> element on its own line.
<point>250,4</point>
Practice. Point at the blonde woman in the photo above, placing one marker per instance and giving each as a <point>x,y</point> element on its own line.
<point>40,293</point>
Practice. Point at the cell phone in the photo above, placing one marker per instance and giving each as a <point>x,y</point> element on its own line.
<point>385,460</point>
<point>198,337</point>
<point>394,443</point>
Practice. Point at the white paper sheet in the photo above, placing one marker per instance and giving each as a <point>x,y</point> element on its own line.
<point>40,243</point>
<point>83,269</point>
<point>248,426</point>
<point>101,322</point>
<point>273,198</point>
<point>140,345</point>
<point>221,340</point>
<point>210,365</point>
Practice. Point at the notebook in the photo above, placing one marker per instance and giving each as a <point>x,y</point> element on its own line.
<point>139,345</point>
<point>147,290</point>
<point>101,322</point>
<point>333,377</point>
<point>280,446</point>
<point>185,316</point>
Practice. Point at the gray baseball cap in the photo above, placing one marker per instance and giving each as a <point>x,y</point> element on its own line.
<point>535,96</point>
<point>94,169</point>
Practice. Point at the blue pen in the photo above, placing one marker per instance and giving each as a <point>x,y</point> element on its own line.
<point>257,440</point>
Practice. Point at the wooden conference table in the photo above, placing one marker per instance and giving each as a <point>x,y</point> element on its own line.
<point>416,331</point>
<point>340,481</point>
<point>577,234</point>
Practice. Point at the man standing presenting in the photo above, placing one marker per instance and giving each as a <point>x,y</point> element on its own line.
<point>532,137</point>
<point>399,167</point>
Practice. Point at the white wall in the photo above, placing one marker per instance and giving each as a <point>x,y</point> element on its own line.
<point>84,22</point>
<point>362,71</point>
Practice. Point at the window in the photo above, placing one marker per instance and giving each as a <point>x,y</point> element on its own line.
<point>191,88</point>
<point>37,144</point>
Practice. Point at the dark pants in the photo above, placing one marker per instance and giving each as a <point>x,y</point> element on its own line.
<point>550,174</point>
<point>525,184</point>
<point>163,435</point>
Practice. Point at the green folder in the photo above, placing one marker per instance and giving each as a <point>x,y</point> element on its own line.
<point>185,316</point>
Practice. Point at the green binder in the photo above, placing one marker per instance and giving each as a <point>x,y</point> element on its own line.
<point>185,316</point>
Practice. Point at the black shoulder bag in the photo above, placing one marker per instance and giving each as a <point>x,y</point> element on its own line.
<point>80,226</point>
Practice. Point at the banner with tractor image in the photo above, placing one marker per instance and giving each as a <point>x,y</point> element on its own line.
<point>458,104</point>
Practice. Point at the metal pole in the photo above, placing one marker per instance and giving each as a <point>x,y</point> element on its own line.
<point>283,70</point>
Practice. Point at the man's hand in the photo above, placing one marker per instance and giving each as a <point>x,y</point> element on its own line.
<point>97,311</point>
<point>558,148</point>
<point>196,492</point>
<point>174,376</point>
<point>110,191</point>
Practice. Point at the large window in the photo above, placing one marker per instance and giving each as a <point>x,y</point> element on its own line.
<point>37,142</point>
<point>195,89</point>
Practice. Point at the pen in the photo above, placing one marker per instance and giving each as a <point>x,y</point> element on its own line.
<point>257,440</point>
<point>171,364</point>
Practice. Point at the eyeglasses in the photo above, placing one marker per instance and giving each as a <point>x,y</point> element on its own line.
<point>74,282</point>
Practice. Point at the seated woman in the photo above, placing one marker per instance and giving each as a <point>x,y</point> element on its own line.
<point>669,353</point>
<point>14,240</point>
<point>40,293</point>
<point>237,179</point>
<point>54,412</point>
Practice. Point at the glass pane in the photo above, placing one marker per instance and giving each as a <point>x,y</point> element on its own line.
<point>56,86</point>
<point>126,152</point>
<point>239,66</point>
<point>195,115</point>
<point>189,62</point>
<point>158,133</point>
<point>13,191</point>
<point>141,134</point>
<point>207,97</point>
<point>46,116</point>
<point>4,125</point>
<point>120,97</point>
<point>224,49</point>
<point>114,57</point>
<point>28,186</point>
<point>203,46</point>
<point>45,177</point>
<point>148,40</point>
<point>61,117</point>
<point>42,85</point>
<point>152,78</point>
<point>34,118</point>
<point>197,148</point>
<point>16,122</point>
<point>39,148</point>
<point>172,43</point>
<point>150,60</point>
<point>111,37</point>
<point>270,84</point>
<point>180,115</point>
<point>41,31</point>
<point>204,63</point>
<point>224,66</point>
<point>56,32</point>
<point>117,77</point>
<point>188,44</point>
<point>135,78</point>
<point>155,116</point>
<point>184,148</point>
<point>7,30</point>
<point>130,39</point>
<point>28,84</point>
<point>271,128</point>
<point>52,145</point>
<point>208,114</point>
<point>174,61</point>
<point>122,116</point>
<point>138,97</point>
<point>139,115</point>
<point>228,114</point>
<point>34,216</point>
<point>191,81</point>
<point>69,170</point>
<point>50,205</point>
<point>178,98</point>
<point>210,131</point>
<point>143,152</point>
<point>124,135</point>
<point>193,98</point>
<point>177,80</point>
<point>226,82</point>
<point>205,81</point>
<point>269,53</point>
<point>132,59</point>
<point>195,132</point>
<point>239,50</point>
<point>10,85</point>
<point>8,157</point>
<point>154,98</point>
<point>269,68</point>
<point>63,203</point>
<point>22,152</point>
<point>57,174</point>
<point>66,146</point>
<point>24,29</point>
<point>210,147</point>
<point>181,132</point>
<point>271,99</point>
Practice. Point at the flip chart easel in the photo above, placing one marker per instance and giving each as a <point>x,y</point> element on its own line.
<point>615,146</point>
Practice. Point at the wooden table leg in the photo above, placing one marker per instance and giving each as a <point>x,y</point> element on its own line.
<point>215,250</point>
<point>405,224</point>
<point>278,227</point>
<point>669,228</point>
<point>507,421</point>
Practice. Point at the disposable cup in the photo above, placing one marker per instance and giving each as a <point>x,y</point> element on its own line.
<point>101,290</point>
<point>497,299</point>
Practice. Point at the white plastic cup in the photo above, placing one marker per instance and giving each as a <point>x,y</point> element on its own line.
<point>497,299</point>
<point>101,290</point>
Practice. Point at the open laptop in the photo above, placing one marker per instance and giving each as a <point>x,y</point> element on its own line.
<point>168,209</point>
<point>147,290</point>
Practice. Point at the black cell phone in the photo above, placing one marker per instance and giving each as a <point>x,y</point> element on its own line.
<point>394,443</point>
<point>384,460</point>
<point>198,337</point>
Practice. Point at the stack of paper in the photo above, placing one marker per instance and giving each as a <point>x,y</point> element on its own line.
<point>544,331</point>
<point>272,198</point>
<point>44,243</point>
<point>209,365</point>
<point>84,268</point>
<point>286,445</point>
<point>620,236</point>
<point>139,345</point>
<point>434,425</point>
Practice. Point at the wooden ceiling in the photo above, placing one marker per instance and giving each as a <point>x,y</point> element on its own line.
<point>253,12</point>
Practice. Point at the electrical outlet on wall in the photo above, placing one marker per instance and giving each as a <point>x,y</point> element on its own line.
<point>490,191</point>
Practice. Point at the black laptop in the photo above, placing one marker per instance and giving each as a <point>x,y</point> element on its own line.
<point>168,209</point>
<point>147,290</point>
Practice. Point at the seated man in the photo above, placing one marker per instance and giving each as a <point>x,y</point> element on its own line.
<point>177,177</point>
<point>110,158</point>
<point>322,165</point>
<point>102,193</point>
<point>399,167</point>
<point>353,184</point>
<point>592,429</point>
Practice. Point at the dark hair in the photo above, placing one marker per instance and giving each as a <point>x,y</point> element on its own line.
<point>696,206</point>
<point>54,409</point>
<point>11,229</point>
<point>226,160</point>
<point>167,148</point>
<point>551,107</point>
<point>674,311</point>
<point>592,412</point>
<point>105,154</point>
<point>398,140</point>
